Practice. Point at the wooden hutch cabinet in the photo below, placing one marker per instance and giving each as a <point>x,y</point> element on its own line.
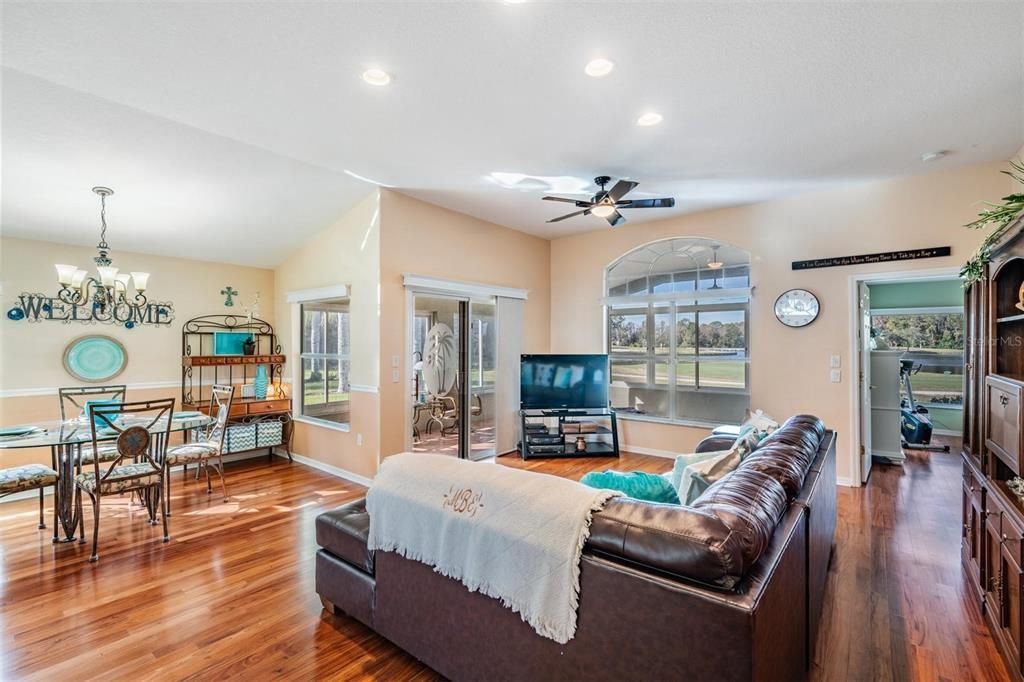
<point>993,447</point>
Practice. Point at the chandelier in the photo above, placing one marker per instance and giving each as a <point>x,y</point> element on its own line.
<point>107,288</point>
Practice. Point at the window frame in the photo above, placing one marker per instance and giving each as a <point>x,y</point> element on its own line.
<point>637,294</point>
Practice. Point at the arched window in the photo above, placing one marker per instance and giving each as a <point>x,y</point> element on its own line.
<point>678,341</point>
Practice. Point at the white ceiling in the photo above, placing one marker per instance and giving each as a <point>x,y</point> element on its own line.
<point>226,129</point>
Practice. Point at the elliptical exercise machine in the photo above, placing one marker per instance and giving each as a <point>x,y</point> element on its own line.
<point>915,424</point>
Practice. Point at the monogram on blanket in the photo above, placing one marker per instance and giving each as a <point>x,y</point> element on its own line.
<point>513,535</point>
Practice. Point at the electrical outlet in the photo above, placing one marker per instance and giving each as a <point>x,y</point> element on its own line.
<point>359,439</point>
<point>396,376</point>
<point>833,361</point>
<point>835,376</point>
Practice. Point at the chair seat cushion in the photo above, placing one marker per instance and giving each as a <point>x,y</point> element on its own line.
<point>107,453</point>
<point>27,477</point>
<point>121,478</point>
<point>191,452</point>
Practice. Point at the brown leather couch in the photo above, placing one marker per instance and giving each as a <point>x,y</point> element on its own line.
<point>729,588</point>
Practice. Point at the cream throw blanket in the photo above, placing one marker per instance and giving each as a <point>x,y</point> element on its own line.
<point>513,535</point>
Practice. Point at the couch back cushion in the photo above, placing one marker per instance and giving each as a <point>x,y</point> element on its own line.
<point>750,503</point>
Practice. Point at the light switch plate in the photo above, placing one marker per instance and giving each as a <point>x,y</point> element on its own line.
<point>833,361</point>
<point>396,376</point>
<point>835,376</point>
<point>394,361</point>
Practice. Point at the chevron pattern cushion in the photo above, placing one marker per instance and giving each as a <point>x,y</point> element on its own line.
<point>27,477</point>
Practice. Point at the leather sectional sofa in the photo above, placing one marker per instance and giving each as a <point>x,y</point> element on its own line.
<point>729,588</point>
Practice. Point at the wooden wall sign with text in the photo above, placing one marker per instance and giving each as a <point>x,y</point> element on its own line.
<point>884,257</point>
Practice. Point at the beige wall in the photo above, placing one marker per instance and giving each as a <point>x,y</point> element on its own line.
<point>423,239</point>
<point>31,365</point>
<point>348,252</point>
<point>789,367</point>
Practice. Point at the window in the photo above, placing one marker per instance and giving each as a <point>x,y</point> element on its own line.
<point>678,331</point>
<point>935,341</point>
<point>325,357</point>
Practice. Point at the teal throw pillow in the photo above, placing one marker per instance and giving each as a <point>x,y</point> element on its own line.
<point>639,485</point>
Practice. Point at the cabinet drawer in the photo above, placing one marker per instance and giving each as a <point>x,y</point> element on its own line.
<point>1003,432</point>
<point>1011,536</point>
<point>269,406</point>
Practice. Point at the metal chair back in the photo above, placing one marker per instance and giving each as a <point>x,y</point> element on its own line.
<point>143,429</point>
<point>73,399</point>
<point>220,409</point>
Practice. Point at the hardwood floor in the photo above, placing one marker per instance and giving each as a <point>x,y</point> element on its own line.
<point>232,594</point>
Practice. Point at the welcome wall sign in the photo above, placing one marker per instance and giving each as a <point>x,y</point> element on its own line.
<point>41,308</point>
<point>884,257</point>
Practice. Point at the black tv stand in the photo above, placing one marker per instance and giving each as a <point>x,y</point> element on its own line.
<point>558,432</point>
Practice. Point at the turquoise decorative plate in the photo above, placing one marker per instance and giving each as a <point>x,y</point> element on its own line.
<point>95,358</point>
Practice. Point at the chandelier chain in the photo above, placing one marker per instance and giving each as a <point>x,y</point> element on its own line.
<point>103,222</point>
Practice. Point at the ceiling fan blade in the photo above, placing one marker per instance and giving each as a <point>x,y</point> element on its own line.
<point>568,201</point>
<point>621,189</point>
<point>570,215</point>
<point>668,202</point>
<point>615,219</point>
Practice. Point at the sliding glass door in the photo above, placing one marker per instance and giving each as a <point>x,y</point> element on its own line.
<point>453,361</point>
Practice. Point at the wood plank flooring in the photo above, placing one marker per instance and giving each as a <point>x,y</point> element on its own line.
<point>232,594</point>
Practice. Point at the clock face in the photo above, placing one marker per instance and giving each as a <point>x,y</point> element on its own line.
<point>797,308</point>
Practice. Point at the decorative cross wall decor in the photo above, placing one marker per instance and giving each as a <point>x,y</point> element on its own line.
<point>228,293</point>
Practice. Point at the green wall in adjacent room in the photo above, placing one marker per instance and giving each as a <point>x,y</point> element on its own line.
<point>940,294</point>
<point>937,294</point>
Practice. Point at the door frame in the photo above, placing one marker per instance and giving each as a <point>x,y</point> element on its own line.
<point>853,322</point>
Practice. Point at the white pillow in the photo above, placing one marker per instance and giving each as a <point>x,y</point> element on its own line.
<point>695,479</point>
<point>683,461</point>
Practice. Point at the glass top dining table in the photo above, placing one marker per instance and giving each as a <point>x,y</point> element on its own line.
<point>65,440</point>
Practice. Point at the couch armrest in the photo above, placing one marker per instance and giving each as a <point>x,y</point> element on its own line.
<point>715,443</point>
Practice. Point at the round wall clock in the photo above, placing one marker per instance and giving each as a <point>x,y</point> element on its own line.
<point>95,358</point>
<point>797,308</point>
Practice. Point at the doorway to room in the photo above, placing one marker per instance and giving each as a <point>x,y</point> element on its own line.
<point>909,336</point>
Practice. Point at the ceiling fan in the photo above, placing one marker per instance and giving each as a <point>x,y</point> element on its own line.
<point>606,203</point>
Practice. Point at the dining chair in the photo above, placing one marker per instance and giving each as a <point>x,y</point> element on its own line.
<point>76,400</point>
<point>30,477</point>
<point>143,429</point>
<point>207,444</point>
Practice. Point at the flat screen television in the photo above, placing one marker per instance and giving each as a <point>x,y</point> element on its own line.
<point>563,382</point>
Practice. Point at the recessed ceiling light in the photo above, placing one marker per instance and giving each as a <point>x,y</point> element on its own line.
<point>376,77</point>
<point>598,68</point>
<point>651,118</point>
<point>932,156</point>
<point>603,210</point>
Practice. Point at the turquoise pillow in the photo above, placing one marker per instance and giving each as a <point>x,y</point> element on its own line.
<point>639,485</point>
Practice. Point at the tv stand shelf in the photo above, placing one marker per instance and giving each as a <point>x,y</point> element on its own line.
<point>558,433</point>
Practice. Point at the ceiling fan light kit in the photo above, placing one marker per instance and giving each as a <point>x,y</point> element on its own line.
<point>608,202</point>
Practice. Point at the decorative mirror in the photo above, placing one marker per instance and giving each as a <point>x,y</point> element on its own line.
<point>95,358</point>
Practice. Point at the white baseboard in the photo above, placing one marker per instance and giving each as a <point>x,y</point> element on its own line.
<point>947,432</point>
<point>845,482</point>
<point>232,457</point>
<point>329,469</point>
<point>636,449</point>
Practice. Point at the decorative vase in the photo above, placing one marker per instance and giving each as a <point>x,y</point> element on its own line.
<point>249,346</point>
<point>261,382</point>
